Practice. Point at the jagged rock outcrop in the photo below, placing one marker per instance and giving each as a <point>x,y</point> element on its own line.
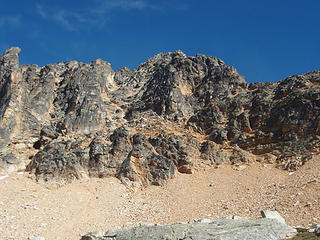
<point>171,114</point>
<point>59,162</point>
<point>10,107</point>
<point>142,164</point>
<point>226,228</point>
<point>181,85</point>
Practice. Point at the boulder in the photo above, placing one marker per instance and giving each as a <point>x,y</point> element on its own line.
<point>273,215</point>
<point>59,162</point>
<point>222,229</point>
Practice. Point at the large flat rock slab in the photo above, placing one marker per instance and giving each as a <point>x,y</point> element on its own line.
<point>222,229</point>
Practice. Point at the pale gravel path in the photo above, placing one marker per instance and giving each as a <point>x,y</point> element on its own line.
<point>28,209</point>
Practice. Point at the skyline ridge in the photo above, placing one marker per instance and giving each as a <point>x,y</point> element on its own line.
<point>266,41</point>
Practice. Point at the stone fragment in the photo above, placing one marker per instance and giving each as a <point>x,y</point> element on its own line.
<point>273,215</point>
<point>37,238</point>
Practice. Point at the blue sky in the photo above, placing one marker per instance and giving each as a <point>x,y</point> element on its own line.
<point>264,40</point>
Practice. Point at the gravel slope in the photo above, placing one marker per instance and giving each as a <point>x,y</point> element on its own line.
<point>28,209</point>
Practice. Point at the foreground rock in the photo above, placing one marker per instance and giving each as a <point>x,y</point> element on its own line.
<point>273,215</point>
<point>172,114</point>
<point>222,229</point>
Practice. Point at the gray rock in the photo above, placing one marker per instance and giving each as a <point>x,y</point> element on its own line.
<point>174,148</point>
<point>158,170</point>
<point>202,220</point>
<point>59,162</point>
<point>106,158</point>
<point>226,229</point>
<point>231,217</point>
<point>36,238</point>
<point>273,215</point>
<point>146,224</point>
<point>10,101</point>
<point>132,158</point>
<point>315,228</point>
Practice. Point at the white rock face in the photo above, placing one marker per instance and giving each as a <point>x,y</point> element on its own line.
<point>37,238</point>
<point>273,215</point>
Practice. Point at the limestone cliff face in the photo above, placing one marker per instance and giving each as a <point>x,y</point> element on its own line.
<point>173,113</point>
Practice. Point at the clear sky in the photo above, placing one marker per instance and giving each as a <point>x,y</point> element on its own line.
<point>266,40</point>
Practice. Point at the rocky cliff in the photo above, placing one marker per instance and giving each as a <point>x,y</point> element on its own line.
<point>171,114</point>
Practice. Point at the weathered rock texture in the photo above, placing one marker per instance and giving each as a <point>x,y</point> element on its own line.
<point>173,113</point>
<point>222,229</point>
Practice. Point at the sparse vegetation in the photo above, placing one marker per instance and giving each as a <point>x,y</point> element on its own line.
<point>303,234</point>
